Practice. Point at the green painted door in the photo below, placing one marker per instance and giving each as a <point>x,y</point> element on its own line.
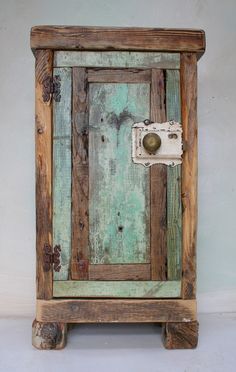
<point>107,210</point>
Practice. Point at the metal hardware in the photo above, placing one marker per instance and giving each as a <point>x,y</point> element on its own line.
<point>52,88</point>
<point>83,265</point>
<point>147,122</point>
<point>51,257</point>
<point>157,143</point>
<point>151,142</point>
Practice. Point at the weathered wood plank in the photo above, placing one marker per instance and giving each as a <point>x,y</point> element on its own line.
<point>174,206</point>
<point>49,336</point>
<point>80,176</point>
<point>119,272</point>
<point>125,289</point>
<point>117,59</point>
<point>158,179</point>
<point>117,38</point>
<point>62,172</point>
<point>180,335</point>
<point>118,188</point>
<point>43,138</point>
<point>113,311</point>
<point>119,76</point>
<point>189,172</point>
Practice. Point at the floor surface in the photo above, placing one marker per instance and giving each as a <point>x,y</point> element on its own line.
<point>120,348</point>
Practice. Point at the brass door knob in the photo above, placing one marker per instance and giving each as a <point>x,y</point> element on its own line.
<point>151,142</point>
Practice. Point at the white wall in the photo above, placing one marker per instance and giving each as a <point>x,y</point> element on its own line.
<point>217,104</point>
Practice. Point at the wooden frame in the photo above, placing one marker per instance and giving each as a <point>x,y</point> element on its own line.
<point>191,45</point>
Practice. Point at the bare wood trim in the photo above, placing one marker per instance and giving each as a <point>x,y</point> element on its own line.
<point>119,76</point>
<point>80,176</point>
<point>189,172</point>
<point>43,138</point>
<point>180,335</point>
<point>113,311</point>
<point>103,38</point>
<point>119,272</point>
<point>158,180</point>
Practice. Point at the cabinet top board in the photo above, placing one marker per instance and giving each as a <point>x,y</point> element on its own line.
<point>118,38</point>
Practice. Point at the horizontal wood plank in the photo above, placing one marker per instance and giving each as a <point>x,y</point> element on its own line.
<point>114,311</point>
<point>117,38</point>
<point>125,289</point>
<point>117,59</point>
<point>119,272</point>
<point>119,76</point>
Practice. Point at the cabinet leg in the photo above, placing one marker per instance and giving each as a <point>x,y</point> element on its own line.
<point>180,335</point>
<point>47,336</point>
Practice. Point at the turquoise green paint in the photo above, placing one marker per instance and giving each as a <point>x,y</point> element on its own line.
<point>174,205</point>
<point>62,172</point>
<point>118,188</point>
<point>117,59</point>
<point>125,289</point>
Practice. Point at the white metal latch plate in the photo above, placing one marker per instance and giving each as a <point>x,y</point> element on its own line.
<point>171,148</point>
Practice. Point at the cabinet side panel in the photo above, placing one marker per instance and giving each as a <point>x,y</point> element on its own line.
<point>43,138</point>
<point>189,172</point>
<point>62,172</point>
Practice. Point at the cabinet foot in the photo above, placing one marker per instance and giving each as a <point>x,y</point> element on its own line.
<point>48,336</point>
<point>180,335</point>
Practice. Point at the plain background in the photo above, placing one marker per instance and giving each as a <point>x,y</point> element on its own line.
<point>217,127</point>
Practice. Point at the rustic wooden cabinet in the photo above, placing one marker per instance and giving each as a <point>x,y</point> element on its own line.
<point>116,173</point>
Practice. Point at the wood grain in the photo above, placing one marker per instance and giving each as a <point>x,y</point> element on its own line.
<point>174,204</point>
<point>180,335</point>
<point>80,176</point>
<point>189,172</point>
<point>138,60</point>
<point>114,311</point>
<point>118,188</point>
<point>104,38</point>
<point>158,179</point>
<point>114,289</point>
<point>49,336</point>
<point>43,138</point>
<point>119,272</point>
<point>62,172</point>
<point>119,76</point>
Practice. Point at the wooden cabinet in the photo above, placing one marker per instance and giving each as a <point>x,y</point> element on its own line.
<point>116,239</point>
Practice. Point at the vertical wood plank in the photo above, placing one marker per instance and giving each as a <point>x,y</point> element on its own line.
<point>118,188</point>
<point>43,136</point>
<point>62,172</point>
<point>80,176</point>
<point>189,172</point>
<point>158,180</point>
<point>174,207</point>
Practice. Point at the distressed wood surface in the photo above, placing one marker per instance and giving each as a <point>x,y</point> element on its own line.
<point>62,172</point>
<point>158,179</point>
<point>120,272</point>
<point>125,289</point>
<point>174,204</point>
<point>117,59</point>
<point>43,139</point>
<point>48,336</point>
<point>114,311</point>
<point>126,38</point>
<point>118,188</point>
<point>180,335</point>
<point>118,76</point>
<point>189,172</point>
<point>80,176</point>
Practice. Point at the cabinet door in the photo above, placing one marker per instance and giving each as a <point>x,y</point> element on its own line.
<point>118,223</point>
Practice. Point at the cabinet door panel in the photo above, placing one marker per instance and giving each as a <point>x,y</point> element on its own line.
<point>118,189</point>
